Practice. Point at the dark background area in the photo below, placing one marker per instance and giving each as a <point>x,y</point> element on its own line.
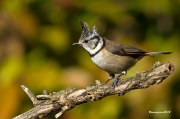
<point>36,50</point>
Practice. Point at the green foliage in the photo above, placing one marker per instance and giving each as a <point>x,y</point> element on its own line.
<point>36,50</point>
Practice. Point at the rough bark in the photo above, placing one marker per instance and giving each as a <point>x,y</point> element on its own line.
<point>67,99</point>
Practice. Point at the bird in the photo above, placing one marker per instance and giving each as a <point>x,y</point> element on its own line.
<point>111,56</point>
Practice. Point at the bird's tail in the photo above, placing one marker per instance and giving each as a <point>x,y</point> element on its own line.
<point>157,53</point>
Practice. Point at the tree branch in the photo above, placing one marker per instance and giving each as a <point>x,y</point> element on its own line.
<point>65,100</point>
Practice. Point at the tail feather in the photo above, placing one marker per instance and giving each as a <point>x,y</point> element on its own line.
<point>157,53</point>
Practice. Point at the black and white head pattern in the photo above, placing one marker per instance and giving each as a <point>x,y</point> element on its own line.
<point>90,40</point>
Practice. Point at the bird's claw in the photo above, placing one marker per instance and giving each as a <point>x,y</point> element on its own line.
<point>114,84</point>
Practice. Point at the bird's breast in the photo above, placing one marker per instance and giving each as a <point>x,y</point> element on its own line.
<point>111,63</point>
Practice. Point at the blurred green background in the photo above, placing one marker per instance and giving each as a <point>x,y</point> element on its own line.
<point>36,50</point>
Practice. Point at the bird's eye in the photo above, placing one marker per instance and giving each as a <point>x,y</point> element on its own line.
<point>86,41</point>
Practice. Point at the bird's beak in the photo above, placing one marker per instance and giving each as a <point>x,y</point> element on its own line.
<point>77,44</point>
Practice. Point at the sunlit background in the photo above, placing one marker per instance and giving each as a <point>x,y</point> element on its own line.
<point>36,50</point>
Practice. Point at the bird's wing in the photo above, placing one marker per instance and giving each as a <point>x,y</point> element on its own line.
<point>123,50</point>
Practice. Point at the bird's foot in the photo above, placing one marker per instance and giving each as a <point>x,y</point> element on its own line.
<point>114,84</point>
<point>116,79</point>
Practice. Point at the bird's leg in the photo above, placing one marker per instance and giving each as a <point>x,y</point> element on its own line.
<point>111,76</point>
<point>117,78</point>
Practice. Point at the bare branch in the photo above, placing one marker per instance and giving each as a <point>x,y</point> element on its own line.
<point>67,99</point>
<point>30,94</point>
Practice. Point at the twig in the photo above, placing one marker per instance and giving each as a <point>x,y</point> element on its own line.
<point>30,94</point>
<point>67,99</point>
